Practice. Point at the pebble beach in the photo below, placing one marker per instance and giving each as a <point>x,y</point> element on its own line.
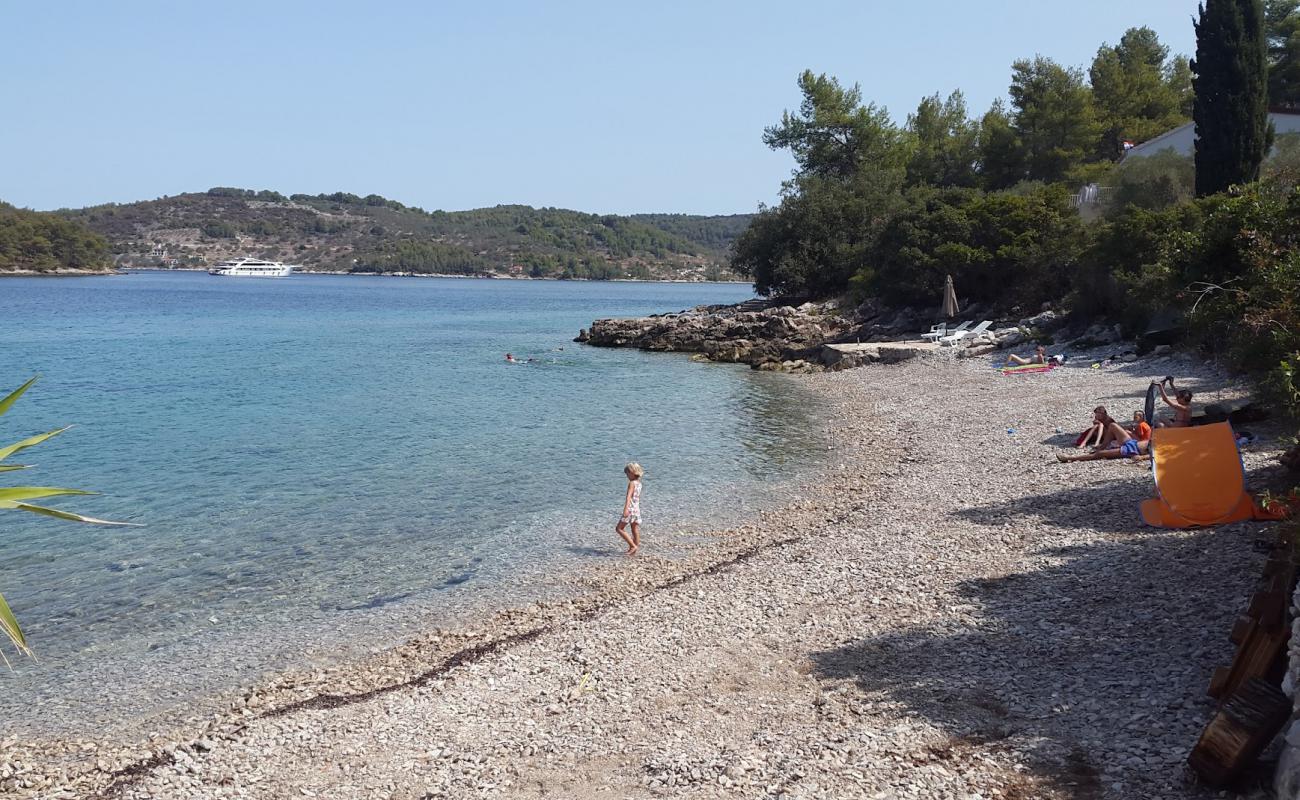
<point>946,612</point>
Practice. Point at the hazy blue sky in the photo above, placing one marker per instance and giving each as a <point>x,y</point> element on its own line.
<point>608,106</point>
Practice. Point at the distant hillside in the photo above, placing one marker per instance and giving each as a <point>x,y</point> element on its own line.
<point>31,241</point>
<point>344,232</point>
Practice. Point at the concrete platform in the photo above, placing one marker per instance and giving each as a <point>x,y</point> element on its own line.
<point>842,356</point>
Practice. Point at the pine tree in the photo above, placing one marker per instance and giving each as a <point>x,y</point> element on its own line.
<point>1231,84</point>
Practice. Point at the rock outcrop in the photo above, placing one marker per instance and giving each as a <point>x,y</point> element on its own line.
<point>773,336</point>
<point>725,333</point>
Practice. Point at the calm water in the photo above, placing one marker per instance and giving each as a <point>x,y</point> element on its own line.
<point>323,462</point>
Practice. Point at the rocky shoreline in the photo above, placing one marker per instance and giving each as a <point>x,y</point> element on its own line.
<point>776,335</point>
<point>945,612</point>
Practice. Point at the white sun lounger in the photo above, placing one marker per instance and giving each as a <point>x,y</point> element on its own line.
<point>941,330</point>
<point>957,336</point>
<point>936,331</point>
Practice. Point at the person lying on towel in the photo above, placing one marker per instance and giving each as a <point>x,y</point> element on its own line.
<point>1039,357</point>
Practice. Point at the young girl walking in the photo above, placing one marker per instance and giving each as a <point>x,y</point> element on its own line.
<point>631,508</point>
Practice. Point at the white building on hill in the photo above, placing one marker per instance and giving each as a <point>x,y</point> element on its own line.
<point>1182,139</point>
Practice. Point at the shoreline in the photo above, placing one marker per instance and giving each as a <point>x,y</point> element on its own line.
<point>883,599</point>
<point>576,593</point>
<point>58,273</point>
<point>127,270</point>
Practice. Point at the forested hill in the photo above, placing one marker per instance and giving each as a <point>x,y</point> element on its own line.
<point>346,232</point>
<point>31,241</point>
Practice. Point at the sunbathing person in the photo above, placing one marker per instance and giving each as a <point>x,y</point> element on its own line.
<point>1039,357</point>
<point>1128,447</point>
<point>1101,422</point>
<point>1181,404</point>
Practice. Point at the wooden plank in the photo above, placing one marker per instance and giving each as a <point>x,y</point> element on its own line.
<point>1239,731</point>
<point>1218,681</point>
<point>1241,629</point>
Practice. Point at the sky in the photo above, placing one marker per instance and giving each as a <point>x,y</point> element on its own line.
<point>608,107</point>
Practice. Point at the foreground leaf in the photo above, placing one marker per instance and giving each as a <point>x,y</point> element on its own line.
<point>57,514</point>
<point>12,467</point>
<point>14,395</point>
<point>9,625</point>
<point>5,452</point>
<point>33,492</point>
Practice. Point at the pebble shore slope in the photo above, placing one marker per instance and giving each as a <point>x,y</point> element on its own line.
<point>948,613</point>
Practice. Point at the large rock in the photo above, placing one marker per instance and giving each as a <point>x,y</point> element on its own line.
<point>725,333</point>
<point>1046,322</point>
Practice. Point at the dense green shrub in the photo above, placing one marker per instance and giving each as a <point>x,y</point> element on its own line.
<point>1002,248</point>
<point>1153,182</point>
<point>816,240</point>
<point>1243,286</point>
<point>1129,269</point>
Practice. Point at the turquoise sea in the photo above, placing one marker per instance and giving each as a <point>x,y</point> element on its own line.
<point>324,464</point>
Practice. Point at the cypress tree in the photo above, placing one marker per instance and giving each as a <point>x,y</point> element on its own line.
<point>1231,84</point>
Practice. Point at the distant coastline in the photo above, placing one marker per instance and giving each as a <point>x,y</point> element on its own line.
<point>125,270</point>
<point>62,272</point>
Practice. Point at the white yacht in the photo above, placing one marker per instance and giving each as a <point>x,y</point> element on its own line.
<point>251,268</point>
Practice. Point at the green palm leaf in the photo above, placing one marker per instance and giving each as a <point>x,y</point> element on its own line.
<point>12,497</point>
<point>33,492</point>
<point>56,513</point>
<point>9,626</point>
<point>14,395</point>
<point>5,452</point>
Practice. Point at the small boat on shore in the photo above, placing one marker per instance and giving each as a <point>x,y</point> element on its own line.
<point>251,268</point>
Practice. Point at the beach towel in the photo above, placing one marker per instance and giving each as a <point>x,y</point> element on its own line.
<point>1028,369</point>
<point>1200,479</point>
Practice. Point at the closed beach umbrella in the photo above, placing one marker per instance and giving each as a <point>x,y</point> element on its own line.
<point>950,308</point>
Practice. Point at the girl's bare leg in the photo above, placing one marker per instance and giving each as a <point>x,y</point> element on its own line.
<point>1015,359</point>
<point>631,545</point>
<point>1095,430</point>
<point>636,537</point>
<point>1113,438</point>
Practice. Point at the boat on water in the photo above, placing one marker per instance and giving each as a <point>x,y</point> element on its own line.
<point>251,268</point>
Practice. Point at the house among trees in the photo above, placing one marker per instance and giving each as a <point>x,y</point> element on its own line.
<point>1182,140</point>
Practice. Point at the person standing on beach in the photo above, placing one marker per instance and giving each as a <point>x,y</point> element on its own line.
<point>631,508</point>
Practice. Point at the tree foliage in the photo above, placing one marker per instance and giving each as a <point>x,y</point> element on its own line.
<point>44,242</point>
<point>834,136</point>
<point>428,257</point>
<point>852,165</point>
<point>1139,91</point>
<point>1153,182</point>
<point>945,143</point>
<point>1231,82</point>
<point>1054,117</point>
<point>1282,32</point>
<point>1001,248</point>
<point>1001,156</point>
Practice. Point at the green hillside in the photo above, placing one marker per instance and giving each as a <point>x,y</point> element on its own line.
<point>346,232</point>
<point>31,241</point>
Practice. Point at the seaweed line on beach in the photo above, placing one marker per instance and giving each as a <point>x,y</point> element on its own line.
<point>591,607</point>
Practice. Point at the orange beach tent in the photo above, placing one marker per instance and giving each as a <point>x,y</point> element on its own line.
<point>1200,479</point>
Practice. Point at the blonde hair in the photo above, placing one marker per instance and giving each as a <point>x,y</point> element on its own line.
<point>634,469</point>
